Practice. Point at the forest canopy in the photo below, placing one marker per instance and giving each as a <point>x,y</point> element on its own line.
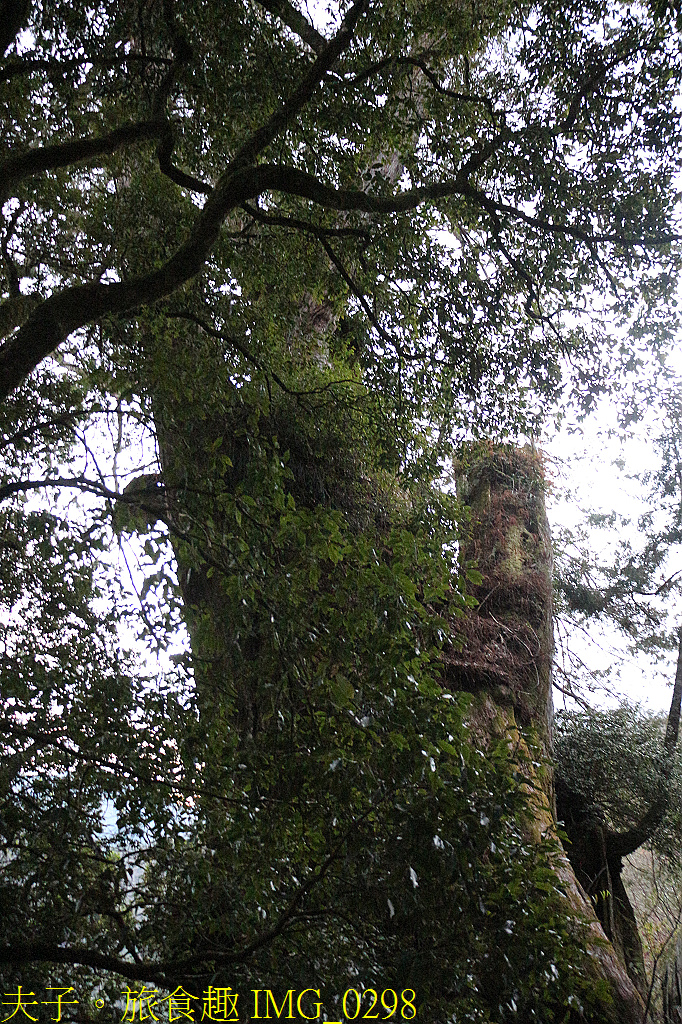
<point>266,270</point>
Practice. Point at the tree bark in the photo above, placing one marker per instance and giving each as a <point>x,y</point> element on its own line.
<point>505,661</point>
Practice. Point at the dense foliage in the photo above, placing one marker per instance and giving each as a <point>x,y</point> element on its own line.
<point>262,276</point>
<point>614,761</point>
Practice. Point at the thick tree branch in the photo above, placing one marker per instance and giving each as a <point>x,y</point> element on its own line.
<point>66,311</point>
<point>80,483</point>
<point>294,182</point>
<point>294,20</point>
<point>73,308</point>
<point>164,153</point>
<point>44,952</point>
<point>47,158</point>
<point>182,54</point>
<point>294,224</point>
<point>420,62</point>
<point>673,726</point>
<point>264,135</point>
<point>570,230</point>
<point>16,66</point>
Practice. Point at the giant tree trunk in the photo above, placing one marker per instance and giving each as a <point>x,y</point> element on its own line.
<point>505,660</point>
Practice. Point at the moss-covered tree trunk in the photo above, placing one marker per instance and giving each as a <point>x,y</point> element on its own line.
<point>211,456</point>
<point>505,661</point>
